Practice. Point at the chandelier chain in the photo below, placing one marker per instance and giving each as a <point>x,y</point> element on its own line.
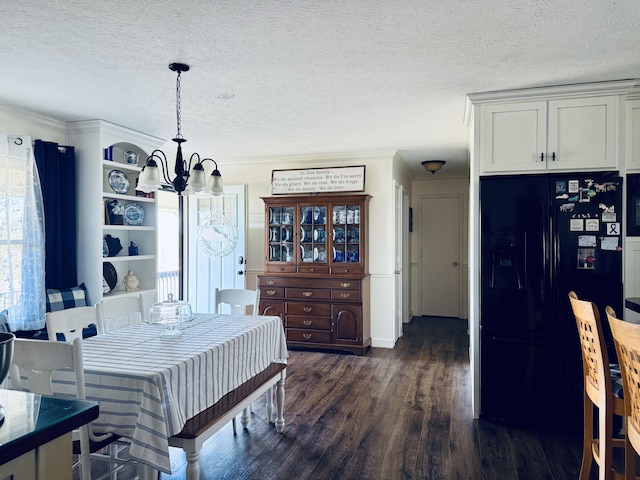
<point>178,109</point>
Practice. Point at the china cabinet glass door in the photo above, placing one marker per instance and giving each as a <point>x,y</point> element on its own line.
<point>281,242</point>
<point>345,236</point>
<point>313,233</point>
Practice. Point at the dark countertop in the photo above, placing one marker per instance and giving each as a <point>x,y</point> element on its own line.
<point>633,303</point>
<point>32,420</point>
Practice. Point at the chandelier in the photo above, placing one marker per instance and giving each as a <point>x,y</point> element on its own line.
<point>186,180</point>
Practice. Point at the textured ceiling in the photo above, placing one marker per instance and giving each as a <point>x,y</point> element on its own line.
<point>271,78</point>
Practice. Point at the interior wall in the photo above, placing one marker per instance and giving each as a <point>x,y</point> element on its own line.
<point>440,185</point>
<point>19,122</point>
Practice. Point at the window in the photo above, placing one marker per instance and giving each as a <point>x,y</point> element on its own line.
<point>22,289</point>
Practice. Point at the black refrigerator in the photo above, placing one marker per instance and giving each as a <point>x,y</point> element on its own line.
<point>541,237</point>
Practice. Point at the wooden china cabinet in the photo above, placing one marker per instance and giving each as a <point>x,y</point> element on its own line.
<point>316,270</point>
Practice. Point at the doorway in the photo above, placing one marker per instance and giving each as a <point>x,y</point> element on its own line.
<point>215,245</point>
<point>440,255</point>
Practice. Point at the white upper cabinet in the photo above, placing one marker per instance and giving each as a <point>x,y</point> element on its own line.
<point>632,148</point>
<point>513,136</point>
<point>564,134</point>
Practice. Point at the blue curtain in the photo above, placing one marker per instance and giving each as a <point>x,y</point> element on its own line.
<point>57,169</point>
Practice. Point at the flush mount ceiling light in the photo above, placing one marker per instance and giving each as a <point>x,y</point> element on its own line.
<point>433,165</point>
<point>187,180</point>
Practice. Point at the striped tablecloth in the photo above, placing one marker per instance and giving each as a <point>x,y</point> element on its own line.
<point>149,386</point>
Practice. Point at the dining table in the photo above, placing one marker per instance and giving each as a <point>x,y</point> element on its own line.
<point>148,385</point>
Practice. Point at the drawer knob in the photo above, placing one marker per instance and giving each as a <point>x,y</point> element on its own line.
<point>271,282</point>
<point>271,292</point>
<point>307,322</point>
<point>345,295</point>
<point>345,284</point>
<point>307,294</point>
<point>307,309</point>
<point>307,336</point>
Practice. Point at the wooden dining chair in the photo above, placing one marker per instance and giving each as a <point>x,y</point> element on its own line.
<point>70,323</point>
<point>626,337</point>
<point>118,312</point>
<point>602,391</point>
<point>32,367</point>
<point>238,301</point>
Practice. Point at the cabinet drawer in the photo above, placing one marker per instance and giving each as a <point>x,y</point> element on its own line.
<point>269,292</point>
<point>313,269</point>
<point>270,282</point>
<point>314,323</point>
<point>280,268</point>
<point>316,309</point>
<point>342,284</point>
<point>308,293</point>
<point>350,270</point>
<point>311,336</point>
<point>346,295</point>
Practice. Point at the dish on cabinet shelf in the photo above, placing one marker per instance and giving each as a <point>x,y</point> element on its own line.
<point>133,214</point>
<point>105,248</point>
<point>118,181</point>
<point>110,276</point>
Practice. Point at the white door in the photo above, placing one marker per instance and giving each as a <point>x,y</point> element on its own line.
<point>216,245</point>
<point>440,234</point>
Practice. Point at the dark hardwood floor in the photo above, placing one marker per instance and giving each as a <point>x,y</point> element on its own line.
<point>403,413</point>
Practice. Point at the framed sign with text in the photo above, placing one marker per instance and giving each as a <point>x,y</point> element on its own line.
<point>317,180</point>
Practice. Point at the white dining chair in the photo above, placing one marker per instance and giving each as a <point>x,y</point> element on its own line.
<point>120,311</point>
<point>238,302</point>
<point>32,367</point>
<point>70,322</point>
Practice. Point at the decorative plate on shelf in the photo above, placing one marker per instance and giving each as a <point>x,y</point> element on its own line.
<point>109,275</point>
<point>133,214</point>
<point>118,181</point>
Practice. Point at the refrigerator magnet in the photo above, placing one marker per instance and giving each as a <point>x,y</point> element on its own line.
<point>576,225</point>
<point>613,228</point>
<point>587,241</point>
<point>608,217</point>
<point>561,186</point>
<point>592,225</point>
<point>574,186</point>
<point>586,259</point>
<point>609,243</point>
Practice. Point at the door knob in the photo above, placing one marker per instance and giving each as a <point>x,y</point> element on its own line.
<point>455,264</point>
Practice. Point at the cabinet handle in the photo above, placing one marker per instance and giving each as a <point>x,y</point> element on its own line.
<point>307,309</point>
<point>271,282</point>
<point>345,295</point>
<point>345,284</point>
<point>271,292</point>
<point>307,322</point>
<point>553,157</point>
<point>307,294</point>
<point>542,157</point>
<point>307,336</point>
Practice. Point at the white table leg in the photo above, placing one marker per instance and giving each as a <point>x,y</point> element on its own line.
<point>244,418</point>
<point>193,465</point>
<point>269,395</point>
<point>280,405</point>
